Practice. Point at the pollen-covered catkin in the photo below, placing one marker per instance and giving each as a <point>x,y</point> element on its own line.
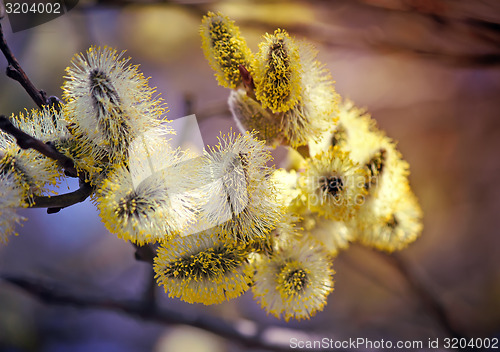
<point>390,217</point>
<point>333,184</point>
<point>108,104</point>
<point>278,72</point>
<point>316,109</point>
<point>203,268</point>
<point>225,49</point>
<point>242,198</point>
<point>12,196</point>
<point>152,199</point>
<point>295,281</point>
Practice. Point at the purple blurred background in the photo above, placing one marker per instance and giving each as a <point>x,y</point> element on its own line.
<point>428,71</point>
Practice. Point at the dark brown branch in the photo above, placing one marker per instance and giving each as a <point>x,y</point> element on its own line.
<point>55,203</point>
<point>53,294</point>
<point>25,141</point>
<point>144,253</point>
<point>147,253</point>
<point>149,296</point>
<point>15,72</point>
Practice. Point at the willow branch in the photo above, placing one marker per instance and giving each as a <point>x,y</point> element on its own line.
<point>50,293</point>
<point>25,141</point>
<point>55,203</point>
<point>15,72</point>
<point>149,296</point>
<point>144,253</point>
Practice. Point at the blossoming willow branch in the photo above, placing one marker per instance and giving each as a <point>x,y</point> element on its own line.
<point>249,226</point>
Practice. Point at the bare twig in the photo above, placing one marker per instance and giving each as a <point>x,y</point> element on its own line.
<point>144,253</point>
<point>149,297</point>
<point>55,203</point>
<point>15,72</point>
<point>25,141</point>
<point>53,294</point>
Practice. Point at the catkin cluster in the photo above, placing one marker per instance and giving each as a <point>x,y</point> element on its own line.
<point>224,222</point>
<point>345,180</point>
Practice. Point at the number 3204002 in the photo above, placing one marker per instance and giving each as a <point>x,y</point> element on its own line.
<point>25,8</point>
<point>462,343</point>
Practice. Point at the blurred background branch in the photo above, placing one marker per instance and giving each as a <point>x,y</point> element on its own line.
<point>431,303</point>
<point>54,294</point>
<point>452,32</point>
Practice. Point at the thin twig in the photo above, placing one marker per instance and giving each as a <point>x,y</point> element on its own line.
<point>51,293</point>
<point>149,297</point>
<point>25,141</point>
<point>144,253</point>
<point>15,72</point>
<point>55,203</point>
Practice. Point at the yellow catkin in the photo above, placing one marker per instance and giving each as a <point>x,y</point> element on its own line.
<point>12,196</point>
<point>203,268</point>
<point>333,184</point>
<point>278,72</point>
<point>108,104</point>
<point>243,200</point>
<point>295,281</point>
<point>224,48</point>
